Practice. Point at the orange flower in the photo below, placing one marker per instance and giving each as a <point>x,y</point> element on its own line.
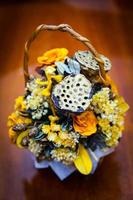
<point>112,84</point>
<point>85,123</point>
<point>53,55</point>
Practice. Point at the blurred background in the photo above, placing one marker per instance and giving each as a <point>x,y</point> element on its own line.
<point>109,26</point>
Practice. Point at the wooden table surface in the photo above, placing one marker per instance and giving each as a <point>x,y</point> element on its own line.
<point>109,25</point>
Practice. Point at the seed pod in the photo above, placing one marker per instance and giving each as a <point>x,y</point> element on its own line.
<point>72,94</point>
<point>19,127</point>
<point>33,132</point>
<point>25,141</point>
<point>89,63</point>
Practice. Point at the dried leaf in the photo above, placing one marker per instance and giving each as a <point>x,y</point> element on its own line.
<point>74,66</point>
<point>20,138</point>
<point>83,161</point>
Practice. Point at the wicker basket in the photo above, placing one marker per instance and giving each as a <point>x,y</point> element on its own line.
<point>93,76</point>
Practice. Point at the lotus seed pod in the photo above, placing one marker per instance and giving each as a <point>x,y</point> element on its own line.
<point>88,61</point>
<point>72,93</point>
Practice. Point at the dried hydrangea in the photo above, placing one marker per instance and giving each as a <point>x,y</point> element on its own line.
<point>110,114</point>
<point>64,155</point>
<point>112,132</point>
<point>67,139</point>
<point>35,147</point>
<point>35,101</point>
<point>31,84</point>
<point>41,111</point>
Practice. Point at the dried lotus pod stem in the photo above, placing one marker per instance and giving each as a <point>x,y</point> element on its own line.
<point>63,28</point>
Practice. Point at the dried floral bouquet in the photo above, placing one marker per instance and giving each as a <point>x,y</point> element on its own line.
<point>72,113</point>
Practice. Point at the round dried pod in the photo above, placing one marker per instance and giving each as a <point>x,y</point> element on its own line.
<point>72,93</point>
<point>35,147</point>
<point>107,62</point>
<point>33,132</point>
<point>89,63</point>
<point>25,141</point>
<point>19,127</point>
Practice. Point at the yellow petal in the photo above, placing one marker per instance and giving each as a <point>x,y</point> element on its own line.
<point>46,129</point>
<point>40,59</point>
<point>57,78</point>
<point>112,84</point>
<point>20,104</point>
<point>50,70</point>
<point>52,136</point>
<point>55,127</point>
<point>40,82</point>
<point>53,118</point>
<point>46,92</point>
<point>83,161</point>
<point>20,138</point>
<point>122,104</point>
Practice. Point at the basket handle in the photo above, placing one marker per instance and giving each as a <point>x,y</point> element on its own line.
<point>62,28</point>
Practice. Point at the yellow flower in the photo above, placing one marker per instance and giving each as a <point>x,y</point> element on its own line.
<point>53,55</point>
<point>85,123</point>
<point>47,90</point>
<point>57,78</point>
<point>63,135</point>
<point>53,127</point>
<point>104,124</point>
<point>20,104</point>
<point>122,105</point>
<point>15,118</point>
<point>46,129</point>
<point>50,70</point>
<point>53,119</point>
<point>52,136</point>
<point>113,132</point>
<point>116,133</point>
<point>112,84</point>
<point>49,75</point>
<point>55,134</point>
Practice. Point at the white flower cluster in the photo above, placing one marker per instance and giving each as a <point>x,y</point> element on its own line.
<point>64,155</point>
<point>35,101</point>
<point>35,147</point>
